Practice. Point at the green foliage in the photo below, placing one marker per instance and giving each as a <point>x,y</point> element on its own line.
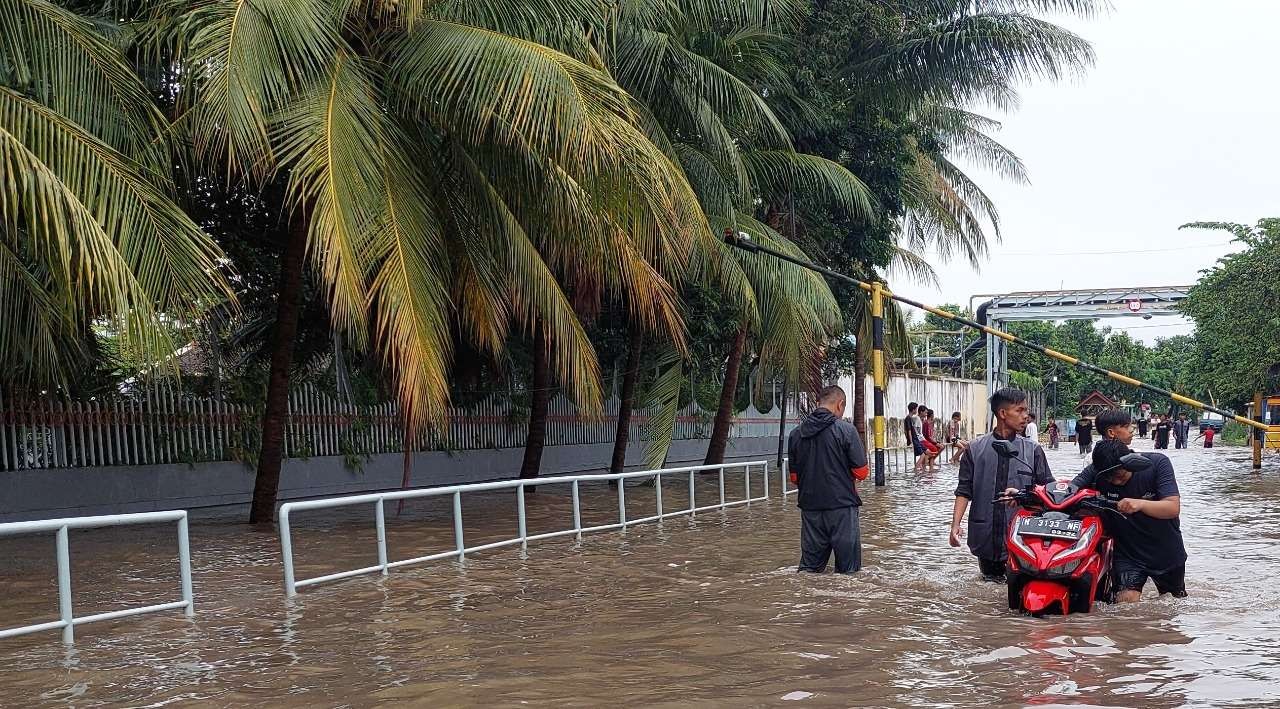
<point>1234,305</point>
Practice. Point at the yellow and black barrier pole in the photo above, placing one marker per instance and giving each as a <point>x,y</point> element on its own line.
<point>878,376</point>
<point>875,288</point>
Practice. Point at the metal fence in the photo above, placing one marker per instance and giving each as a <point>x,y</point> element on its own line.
<point>460,549</point>
<point>67,619</point>
<point>162,426</point>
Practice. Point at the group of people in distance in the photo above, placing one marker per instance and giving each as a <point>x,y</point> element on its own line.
<point>929,438</point>
<point>827,457</point>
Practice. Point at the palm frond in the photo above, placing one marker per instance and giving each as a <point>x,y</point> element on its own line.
<point>60,60</point>
<point>775,172</point>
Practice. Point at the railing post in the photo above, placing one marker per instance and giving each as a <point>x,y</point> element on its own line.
<point>577,511</point>
<point>622,502</point>
<point>524,536</point>
<point>184,565</point>
<point>657,490</point>
<point>692,505</point>
<point>746,476</point>
<point>721,470</point>
<point>286,552</point>
<point>765,480</point>
<point>64,586</point>
<point>457,524</point>
<point>782,474</point>
<point>380,519</point>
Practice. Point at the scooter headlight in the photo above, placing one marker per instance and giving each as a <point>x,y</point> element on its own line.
<point>1081,544</point>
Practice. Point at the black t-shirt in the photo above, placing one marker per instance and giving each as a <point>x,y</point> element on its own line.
<point>1155,545</point>
<point>1084,431</point>
<point>1163,428</point>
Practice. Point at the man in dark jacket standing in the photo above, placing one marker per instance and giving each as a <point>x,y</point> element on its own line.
<point>826,455</point>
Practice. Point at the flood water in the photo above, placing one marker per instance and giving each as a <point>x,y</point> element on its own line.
<point>701,612</point>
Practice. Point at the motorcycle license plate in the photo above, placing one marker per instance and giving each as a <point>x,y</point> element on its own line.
<point>1056,528</point>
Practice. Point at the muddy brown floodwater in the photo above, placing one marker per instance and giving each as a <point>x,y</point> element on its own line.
<point>705,612</point>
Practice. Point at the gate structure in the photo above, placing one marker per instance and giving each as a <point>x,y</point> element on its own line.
<point>1087,304</point>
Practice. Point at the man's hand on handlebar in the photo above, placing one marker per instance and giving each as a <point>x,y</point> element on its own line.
<point>1011,497</point>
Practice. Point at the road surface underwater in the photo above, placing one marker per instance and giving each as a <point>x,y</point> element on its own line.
<point>705,611</point>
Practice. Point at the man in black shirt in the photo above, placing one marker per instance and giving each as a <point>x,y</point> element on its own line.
<point>826,455</point>
<point>985,473</point>
<point>1148,541</point>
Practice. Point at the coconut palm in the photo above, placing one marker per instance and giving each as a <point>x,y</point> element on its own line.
<point>702,71</point>
<point>90,238</point>
<point>447,171</point>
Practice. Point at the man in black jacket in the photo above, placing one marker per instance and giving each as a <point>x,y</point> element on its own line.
<point>826,455</point>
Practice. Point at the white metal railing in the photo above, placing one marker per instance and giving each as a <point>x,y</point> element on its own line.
<point>67,620</point>
<point>460,550</point>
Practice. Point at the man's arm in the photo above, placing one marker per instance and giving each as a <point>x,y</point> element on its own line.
<point>1040,465</point>
<point>1086,478</point>
<point>857,455</point>
<point>1167,505</point>
<point>964,491</point>
<point>791,460</point>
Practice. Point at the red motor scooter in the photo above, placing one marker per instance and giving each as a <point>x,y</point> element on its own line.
<point>1059,551</point>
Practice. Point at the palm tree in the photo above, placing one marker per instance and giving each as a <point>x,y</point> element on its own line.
<point>446,169</point>
<point>91,240</point>
<point>702,72</point>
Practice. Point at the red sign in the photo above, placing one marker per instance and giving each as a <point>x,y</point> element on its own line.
<point>1135,306</point>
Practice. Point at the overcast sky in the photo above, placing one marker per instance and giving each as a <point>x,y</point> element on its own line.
<point>1177,122</point>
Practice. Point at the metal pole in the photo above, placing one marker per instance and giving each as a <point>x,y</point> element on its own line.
<point>877,376</point>
<point>380,521</point>
<point>286,552</point>
<point>457,525</point>
<point>1257,435</point>
<point>928,353</point>
<point>692,506</point>
<point>746,476</point>
<point>184,566</point>
<point>64,587</point>
<point>622,503</point>
<point>520,518</point>
<point>657,491</point>
<point>721,469</point>
<point>786,462</point>
<point>577,511</point>
<point>782,424</point>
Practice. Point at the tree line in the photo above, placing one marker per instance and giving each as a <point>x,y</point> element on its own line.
<point>1233,353</point>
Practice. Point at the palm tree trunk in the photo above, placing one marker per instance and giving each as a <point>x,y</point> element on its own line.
<point>860,387</point>
<point>627,402</point>
<point>540,396</point>
<point>267,483</point>
<point>728,392</point>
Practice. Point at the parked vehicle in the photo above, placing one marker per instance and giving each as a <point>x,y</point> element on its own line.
<point>1208,419</point>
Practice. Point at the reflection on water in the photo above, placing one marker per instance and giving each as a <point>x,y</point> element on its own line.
<point>696,611</point>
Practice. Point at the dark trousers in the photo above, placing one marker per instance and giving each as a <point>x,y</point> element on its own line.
<point>991,568</point>
<point>825,531</point>
<point>1180,442</point>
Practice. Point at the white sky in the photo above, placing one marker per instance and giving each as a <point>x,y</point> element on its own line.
<point>1177,122</point>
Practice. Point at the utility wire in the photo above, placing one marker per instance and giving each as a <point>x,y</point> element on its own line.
<point>998,252</point>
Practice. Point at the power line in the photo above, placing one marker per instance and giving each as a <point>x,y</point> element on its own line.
<point>1098,253</point>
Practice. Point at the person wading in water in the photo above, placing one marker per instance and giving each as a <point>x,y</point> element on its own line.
<point>984,473</point>
<point>826,456</point>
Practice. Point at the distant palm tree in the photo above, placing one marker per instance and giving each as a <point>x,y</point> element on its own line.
<point>90,239</point>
